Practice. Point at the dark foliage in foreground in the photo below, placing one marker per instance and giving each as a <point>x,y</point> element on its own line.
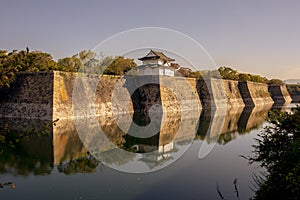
<point>278,150</point>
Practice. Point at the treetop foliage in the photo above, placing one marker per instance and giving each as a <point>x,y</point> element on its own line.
<point>293,88</point>
<point>228,74</point>
<point>88,62</point>
<point>35,61</point>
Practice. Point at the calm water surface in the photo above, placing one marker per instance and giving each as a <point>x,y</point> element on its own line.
<point>60,166</point>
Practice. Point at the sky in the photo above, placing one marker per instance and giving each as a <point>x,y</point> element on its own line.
<point>255,36</point>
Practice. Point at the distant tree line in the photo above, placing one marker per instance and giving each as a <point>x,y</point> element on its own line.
<point>293,88</point>
<point>34,61</point>
<point>226,73</point>
<point>88,62</point>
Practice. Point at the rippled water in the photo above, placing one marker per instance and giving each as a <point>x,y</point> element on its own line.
<point>188,158</point>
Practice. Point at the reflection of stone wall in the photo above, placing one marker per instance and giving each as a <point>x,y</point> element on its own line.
<point>231,120</point>
<point>253,117</point>
<point>211,123</point>
<point>217,123</point>
<point>169,129</point>
<point>223,125</point>
<point>66,142</point>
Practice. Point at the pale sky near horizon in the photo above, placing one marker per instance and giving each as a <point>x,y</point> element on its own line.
<point>260,37</point>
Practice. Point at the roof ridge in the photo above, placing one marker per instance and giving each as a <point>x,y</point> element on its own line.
<point>159,54</point>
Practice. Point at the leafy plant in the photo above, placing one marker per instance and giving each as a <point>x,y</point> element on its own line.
<point>278,150</point>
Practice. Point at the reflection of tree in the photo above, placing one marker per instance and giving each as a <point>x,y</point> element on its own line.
<point>23,152</point>
<point>227,137</point>
<point>87,164</point>
<point>278,149</point>
<point>24,164</point>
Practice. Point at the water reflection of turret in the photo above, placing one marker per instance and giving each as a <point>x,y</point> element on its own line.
<point>177,130</point>
<point>252,118</point>
<point>174,132</point>
<point>106,135</point>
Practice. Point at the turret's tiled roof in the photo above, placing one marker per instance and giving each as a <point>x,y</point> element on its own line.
<point>156,55</point>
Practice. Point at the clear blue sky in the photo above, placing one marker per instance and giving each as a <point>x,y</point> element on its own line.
<point>252,36</point>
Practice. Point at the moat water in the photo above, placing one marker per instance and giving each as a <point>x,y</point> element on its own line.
<point>190,157</point>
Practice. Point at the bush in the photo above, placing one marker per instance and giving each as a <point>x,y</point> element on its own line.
<point>278,150</point>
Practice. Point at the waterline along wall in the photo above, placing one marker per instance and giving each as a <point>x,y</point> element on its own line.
<point>50,95</point>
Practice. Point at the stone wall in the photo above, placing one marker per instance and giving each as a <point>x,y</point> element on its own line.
<point>219,93</point>
<point>279,94</point>
<point>179,94</point>
<point>295,98</point>
<point>63,95</point>
<point>77,95</point>
<point>255,94</point>
<point>162,93</point>
<point>232,93</point>
<point>212,93</point>
<point>29,97</point>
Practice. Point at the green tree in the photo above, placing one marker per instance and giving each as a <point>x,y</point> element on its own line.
<point>228,73</point>
<point>184,71</point>
<point>86,164</point>
<point>120,65</point>
<point>293,88</point>
<point>244,77</point>
<point>278,150</point>
<point>3,53</point>
<point>275,82</point>
<point>69,64</point>
<point>258,79</point>
<point>18,61</point>
<point>86,55</point>
<point>196,74</point>
<point>96,64</point>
